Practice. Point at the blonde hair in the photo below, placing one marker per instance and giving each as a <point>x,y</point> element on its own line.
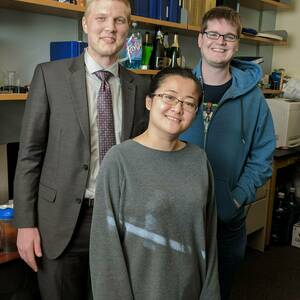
<point>89,2</point>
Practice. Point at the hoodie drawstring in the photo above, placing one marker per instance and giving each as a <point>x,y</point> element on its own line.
<point>242,122</point>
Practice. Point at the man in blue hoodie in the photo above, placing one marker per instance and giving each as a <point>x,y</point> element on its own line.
<point>234,126</point>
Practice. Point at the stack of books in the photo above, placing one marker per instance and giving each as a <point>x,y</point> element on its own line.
<point>279,35</point>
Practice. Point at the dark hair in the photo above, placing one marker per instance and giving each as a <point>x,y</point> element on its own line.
<point>222,12</point>
<point>159,78</point>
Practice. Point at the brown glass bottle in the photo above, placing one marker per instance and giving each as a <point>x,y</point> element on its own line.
<point>175,52</point>
<point>158,54</point>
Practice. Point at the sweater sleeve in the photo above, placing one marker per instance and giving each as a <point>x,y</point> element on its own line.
<point>258,167</point>
<point>211,289</point>
<point>109,274</point>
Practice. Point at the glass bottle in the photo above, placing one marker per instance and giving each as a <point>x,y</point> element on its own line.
<point>175,52</point>
<point>158,54</point>
<point>147,51</point>
<point>167,48</point>
<point>134,48</point>
<point>292,196</point>
<point>280,209</point>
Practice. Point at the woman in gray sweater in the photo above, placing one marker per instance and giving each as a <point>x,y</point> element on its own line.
<point>153,233</point>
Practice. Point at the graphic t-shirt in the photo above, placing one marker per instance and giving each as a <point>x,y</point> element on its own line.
<point>212,94</point>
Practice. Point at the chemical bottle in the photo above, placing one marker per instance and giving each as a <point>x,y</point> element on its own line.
<point>134,48</point>
<point>175,53</point>
<point>147,51</point>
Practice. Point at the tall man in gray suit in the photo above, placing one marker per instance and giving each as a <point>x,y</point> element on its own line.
<point>58,158</point>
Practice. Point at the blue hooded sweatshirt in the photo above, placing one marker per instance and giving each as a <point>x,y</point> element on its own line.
<point>239,140</point>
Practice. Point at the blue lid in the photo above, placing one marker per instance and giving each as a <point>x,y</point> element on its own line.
<point>6,214</point>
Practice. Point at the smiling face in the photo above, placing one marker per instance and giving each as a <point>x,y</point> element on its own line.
<point>172,120</point>
<point>218,53</point>
<point>106,24</point>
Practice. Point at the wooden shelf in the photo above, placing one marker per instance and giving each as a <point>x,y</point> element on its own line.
<point>152,23</point>
<point>271,92</point>
<point>262,41</point>
<point>8,256</point>
<point>145,72</point>
<point>264,4</point>
<point>12,97</point>
<point>50,7</point>
<point>194,28</point>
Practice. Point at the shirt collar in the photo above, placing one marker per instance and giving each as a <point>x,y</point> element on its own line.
<point>92,66</point>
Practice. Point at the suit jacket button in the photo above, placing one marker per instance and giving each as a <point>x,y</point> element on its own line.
<point>85,167</point>
<point>78,200</point>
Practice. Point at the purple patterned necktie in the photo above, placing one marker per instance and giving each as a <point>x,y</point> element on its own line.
<point>105,117</point>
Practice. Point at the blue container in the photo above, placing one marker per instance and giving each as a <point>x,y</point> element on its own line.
<point>8,234</point>
<point>6,213</point>
<point>67,49</point>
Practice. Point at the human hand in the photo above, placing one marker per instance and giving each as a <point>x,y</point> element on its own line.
<point>29,246</point>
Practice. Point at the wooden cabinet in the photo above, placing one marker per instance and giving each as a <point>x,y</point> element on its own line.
<point>283,158</point>
<point>256,221</point>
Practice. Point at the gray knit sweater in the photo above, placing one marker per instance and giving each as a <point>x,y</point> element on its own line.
<point>153,233</point>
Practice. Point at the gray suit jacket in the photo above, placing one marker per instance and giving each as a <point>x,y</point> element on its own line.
<point>54,155</point>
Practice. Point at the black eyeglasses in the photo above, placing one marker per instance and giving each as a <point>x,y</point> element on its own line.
<point>228,37</point>
<point>172,101</point>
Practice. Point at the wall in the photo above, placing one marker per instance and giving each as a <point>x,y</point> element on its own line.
<point>289,57</point>
<point>264,20</point>
<point>25,40</point>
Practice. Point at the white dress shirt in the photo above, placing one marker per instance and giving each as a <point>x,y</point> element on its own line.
<point>93,85</point>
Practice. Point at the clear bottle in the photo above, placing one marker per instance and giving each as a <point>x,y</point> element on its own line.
<point>134,48</point>
<point>175,52</point>
<point>147,51</point>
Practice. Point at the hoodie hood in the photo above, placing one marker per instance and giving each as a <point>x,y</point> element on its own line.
<point>245,77</point>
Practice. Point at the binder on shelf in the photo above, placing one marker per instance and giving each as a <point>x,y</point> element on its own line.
<point>66,49</point>
<point>153,9</point>
<point>162,10</point>
<point>174,11</point>
<point>141,7</point>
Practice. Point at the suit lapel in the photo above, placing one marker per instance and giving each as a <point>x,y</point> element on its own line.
<point>78,91</point>
<point>128,103</point>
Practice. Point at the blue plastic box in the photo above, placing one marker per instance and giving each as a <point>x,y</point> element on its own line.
<point>66,49</point>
